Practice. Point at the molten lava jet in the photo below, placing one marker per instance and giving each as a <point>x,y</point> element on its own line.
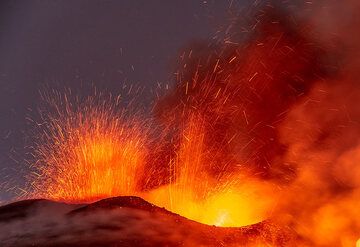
<point>262,125</point>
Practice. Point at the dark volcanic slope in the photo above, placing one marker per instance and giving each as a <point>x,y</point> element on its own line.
<point>121,221</point>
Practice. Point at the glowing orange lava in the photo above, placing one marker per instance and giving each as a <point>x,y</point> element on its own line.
<point>227,200</point>
<point>89,153</point>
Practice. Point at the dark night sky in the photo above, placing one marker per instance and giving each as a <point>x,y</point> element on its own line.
<point>80,43</point>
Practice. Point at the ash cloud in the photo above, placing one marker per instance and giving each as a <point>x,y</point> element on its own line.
<point>322,134</point>
<point>245,85</point>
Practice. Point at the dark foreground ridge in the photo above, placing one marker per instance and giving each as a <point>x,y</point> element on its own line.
<point>134,202</point>
<point>121,221</point>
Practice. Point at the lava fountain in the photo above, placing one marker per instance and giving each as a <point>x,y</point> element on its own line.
<point>256,128</point>
<point>88,150</point>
